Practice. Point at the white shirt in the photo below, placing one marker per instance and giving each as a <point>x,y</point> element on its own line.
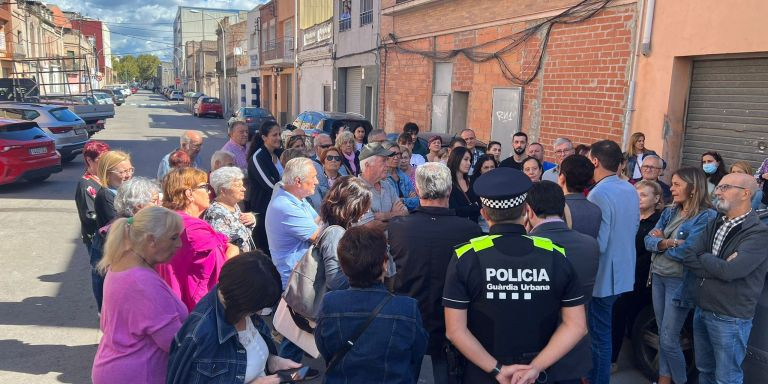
<point>256,351</point>
<point>636,174</point>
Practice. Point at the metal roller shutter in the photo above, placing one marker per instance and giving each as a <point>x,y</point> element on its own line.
<point>354,85</point>
<point>728,111</point>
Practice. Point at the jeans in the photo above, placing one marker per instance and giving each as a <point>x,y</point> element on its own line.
<point>289,350</point>
<point>97,280</point>
<point>720,343</point>
<point>599,315</point>
<point>670,319</point>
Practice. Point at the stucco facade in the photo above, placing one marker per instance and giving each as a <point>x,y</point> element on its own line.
<point>315,56</point>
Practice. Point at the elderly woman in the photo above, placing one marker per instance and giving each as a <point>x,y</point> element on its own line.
<point>345,142</point>
<point>670,239</point>
<point>224,214</point>
<point>195,268</point>
<point>141,314</point>
<point>226,340</point>
<point>434,146</point>
<point>114,169</point>
<point>532,168</point>
<point>395,334</point>
<point>136,194</point>
<point>406,165</point>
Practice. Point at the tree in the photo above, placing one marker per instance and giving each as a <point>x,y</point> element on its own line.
<point>126,68</point>
<point>147,66</point>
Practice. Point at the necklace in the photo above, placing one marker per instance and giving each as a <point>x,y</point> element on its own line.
<point>143,260</point>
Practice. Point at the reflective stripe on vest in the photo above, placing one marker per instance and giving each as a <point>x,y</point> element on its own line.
<point>544,243</point>
<point>477,244</point>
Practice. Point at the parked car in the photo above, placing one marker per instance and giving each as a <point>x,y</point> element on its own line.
<point>134,89</point>
<point>207,105</point>
<point>102,98</point>
<point>26,152</point>
<point>117,96</point>
<point>254,117</point>
<point>330,122</point>
<point>176,95</point>
<point>66,128</point>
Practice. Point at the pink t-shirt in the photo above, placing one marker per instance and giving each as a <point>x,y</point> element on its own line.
<point>139,318</point>
<point>195,267</point>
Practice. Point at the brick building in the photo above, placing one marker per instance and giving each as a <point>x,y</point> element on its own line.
<point>579,91</point>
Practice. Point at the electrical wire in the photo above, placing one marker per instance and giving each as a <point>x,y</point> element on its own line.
<point>578,13</point>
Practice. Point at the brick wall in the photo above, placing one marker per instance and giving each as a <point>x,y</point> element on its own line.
<point>579,93</point>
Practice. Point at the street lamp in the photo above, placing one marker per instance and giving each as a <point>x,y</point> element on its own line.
<point>223,50</point>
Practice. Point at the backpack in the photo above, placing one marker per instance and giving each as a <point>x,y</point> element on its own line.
<point>306,285</point>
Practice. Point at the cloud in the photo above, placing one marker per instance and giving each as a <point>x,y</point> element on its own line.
<point>143,26</point>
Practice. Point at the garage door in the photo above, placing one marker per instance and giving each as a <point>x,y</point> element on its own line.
<point>728,111</point>
<point>354,83</point>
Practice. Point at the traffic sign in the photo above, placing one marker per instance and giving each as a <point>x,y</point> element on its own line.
<point>178,81</point>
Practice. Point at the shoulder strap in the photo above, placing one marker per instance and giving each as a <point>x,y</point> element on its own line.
<point>346,347</point>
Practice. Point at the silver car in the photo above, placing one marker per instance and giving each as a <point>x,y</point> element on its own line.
<point>103,98</point>
<point>61,124</point>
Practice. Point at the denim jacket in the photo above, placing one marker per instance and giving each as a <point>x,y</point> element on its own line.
<point>207,349</point>
<point>391,348</point>
<point>693,227</point>
<point>405,187</point>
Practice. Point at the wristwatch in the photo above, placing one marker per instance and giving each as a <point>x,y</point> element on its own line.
<point>496,370</point>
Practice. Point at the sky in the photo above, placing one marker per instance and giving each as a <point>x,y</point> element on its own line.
<point>143,26</point>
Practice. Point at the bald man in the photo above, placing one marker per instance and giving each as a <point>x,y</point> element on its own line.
<point>190,142</point>
<point>730,262</point>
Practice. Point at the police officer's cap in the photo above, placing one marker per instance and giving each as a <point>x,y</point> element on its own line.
<point>502,188</point>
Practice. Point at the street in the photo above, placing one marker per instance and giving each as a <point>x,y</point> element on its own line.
<point>48,322</point>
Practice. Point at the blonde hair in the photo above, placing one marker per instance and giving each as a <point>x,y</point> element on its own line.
<point>177,182</point>
<point>128,234</point>
<point>655,188</point>
<point>344,137</point>
<point>744,166</point>
<point>107,162</point>
<point>631,151</point>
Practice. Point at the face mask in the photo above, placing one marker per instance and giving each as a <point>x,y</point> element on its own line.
<point>709,168</point>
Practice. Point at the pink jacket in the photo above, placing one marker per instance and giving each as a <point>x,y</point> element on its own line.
<point>195,267</point>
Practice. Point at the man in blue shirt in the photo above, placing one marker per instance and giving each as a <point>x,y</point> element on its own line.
<point>620,209</point>
<point>190,142</point>
<point>290,220</point>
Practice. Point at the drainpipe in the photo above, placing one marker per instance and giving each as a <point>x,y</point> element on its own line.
<point>295,79</point>
<point>632,76</point>
<point>648,28</point>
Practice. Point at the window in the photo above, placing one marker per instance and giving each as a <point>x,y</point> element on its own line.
<point>345,15</point>
<point>366,12</point>
<point>326,97</point>
<point>64,114</point>
<point>21,132</point>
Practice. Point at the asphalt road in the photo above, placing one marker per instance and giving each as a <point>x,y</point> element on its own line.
<point>48,322</point>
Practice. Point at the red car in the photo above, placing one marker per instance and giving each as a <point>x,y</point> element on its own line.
<point>26,152</point>
<point>208,106</point>
<point>134,90</point>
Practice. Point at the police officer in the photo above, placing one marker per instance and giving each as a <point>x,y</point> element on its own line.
<point>506,292</point>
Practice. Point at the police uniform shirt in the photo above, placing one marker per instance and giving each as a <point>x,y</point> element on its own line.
<point>517,288</point>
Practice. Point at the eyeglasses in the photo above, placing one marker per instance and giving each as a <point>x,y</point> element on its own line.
<point>124,172</point>
<point>564,151</point>
<point>205,186</point>
<point>326,146</point>
<point>394,155</point>
<point>649,167</point>
<point>333,158</point>
<point>725,187</point>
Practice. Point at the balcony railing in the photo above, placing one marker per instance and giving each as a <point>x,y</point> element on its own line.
<point>366,18</point>
<point>345,22</point>
<point>278,49</point>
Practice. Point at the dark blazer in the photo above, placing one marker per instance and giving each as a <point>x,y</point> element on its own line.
<point>263,176</point>
<point>346,165</point>
<point>421,245</point>
<point>583,252</point>
<point>585,215</point>
<point>465,204</point>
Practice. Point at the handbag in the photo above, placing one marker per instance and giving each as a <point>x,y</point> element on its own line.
<point>285,324</point>
<point>347,346</point>
<point>306,285</point>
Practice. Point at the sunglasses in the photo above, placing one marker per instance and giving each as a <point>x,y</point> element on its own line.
<point>326,146</point>
<point>333,158</point>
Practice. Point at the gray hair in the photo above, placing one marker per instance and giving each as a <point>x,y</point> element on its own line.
<point>563,140</point>
<point>297,168</point>
<point>365,163</point>
<point>224,177</point>
<point>186,137</point>
<point>344,137</point>
<point>321,135</point>
<point>234,124</point>
<point>135,194</point>
<point>659,160</point>
<point>433,181</point>
<point>377,132</point>
<point>220,156</point>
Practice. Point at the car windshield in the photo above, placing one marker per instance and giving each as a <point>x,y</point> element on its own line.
<point>255,112</point>
<point>64,114</point>
<point>21,132</point>
<point>211,100</point>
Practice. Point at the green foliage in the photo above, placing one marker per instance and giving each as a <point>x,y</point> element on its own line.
<point>129,68</point>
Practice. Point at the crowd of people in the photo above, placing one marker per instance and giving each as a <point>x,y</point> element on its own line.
<point>372,254</point>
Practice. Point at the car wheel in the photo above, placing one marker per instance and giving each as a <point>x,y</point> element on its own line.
<point>645,344</point>
<point>38,179</point>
